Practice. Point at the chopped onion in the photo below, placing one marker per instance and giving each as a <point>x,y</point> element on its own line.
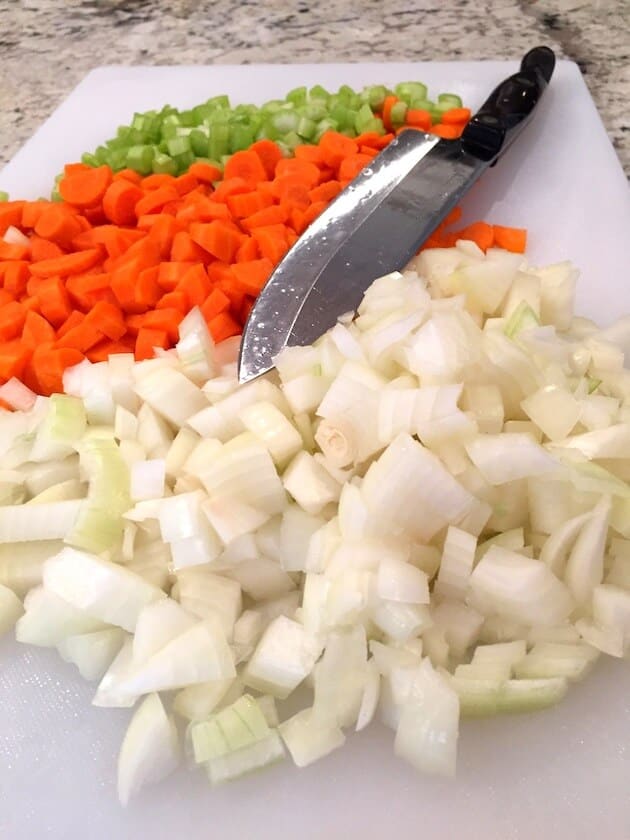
<point>150,749</point>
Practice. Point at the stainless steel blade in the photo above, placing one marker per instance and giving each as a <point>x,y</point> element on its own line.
<point>387,239</point>
<point>278,305</point>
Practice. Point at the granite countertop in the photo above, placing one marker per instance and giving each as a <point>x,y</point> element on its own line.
<point>48,45</point>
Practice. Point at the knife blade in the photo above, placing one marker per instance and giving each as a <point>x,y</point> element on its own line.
<point>380,220</point>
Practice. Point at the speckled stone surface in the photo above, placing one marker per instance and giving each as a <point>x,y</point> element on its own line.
<point>47,46</point>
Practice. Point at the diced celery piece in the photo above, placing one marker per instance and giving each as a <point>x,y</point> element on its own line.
<point>450,99</point>
<point>139,158</point>
<point>285,121</point>
<point>164,164</point>
<point>198,142</point>
<point>297,95</point>
<point>398,113</point>
<point>91,160</point>
<point>241,137</point>
<point>374,95</point>
<point>219,144</point>
<point>315,111</point>
<point>4,196</point>
<point>408,91</point>
<point>291,140</point>
<point>306,128</point>
<point>318,92</point>
<point>363,117</point>
<point>178,146</point>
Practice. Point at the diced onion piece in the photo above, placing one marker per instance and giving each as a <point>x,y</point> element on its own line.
<point>308,740</point>
<point>503,458</point>
<point>150,749</point>
<point>309,483</point>
<point>53,521</point>
<point>147,479</point>
<point>48,619</point>
<point>246,760</point>
<point>270,426</point>
<point>515,587</point>
<point>427,731</point>
<point>585,564</point>
<point>171,394</point>
<point>194,656</point>
<point>407,489</point>
<point>92,653</point>
<point>197,702</point>
<point>103,590</point>
<point>400,581</point>
<point>284,656</point>
<point>458,556</point>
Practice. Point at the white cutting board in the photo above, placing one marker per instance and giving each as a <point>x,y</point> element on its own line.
<point>558,774</point>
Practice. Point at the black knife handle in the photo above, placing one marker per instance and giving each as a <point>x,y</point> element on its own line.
<point>509,107</point>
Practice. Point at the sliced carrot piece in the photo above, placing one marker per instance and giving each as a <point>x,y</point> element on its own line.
<point>219,238</point>
<point>147,341</point>
<point>509,238</point>
<point>247,165</point>
<point>276,215</point>
<point>11,214</point>
<point>252,276</point>
<point>223,326</point>
<point>205,172</point>
<point>269,154</point>
<point>120,200</point>
<point>12,317</point>
<point>216,303</point>
<point>272,241</point>
<point>37,330</point>
<point>335,147</point>
<point>86,187</point>
<point>68,264</point>
<point>196,285</point>
<point>307,172</point>
<point>58,224</point>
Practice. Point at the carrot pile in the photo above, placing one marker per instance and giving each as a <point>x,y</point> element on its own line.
<point>115,266</point>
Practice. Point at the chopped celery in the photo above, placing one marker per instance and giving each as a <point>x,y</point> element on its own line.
<point>169,140</point>
<point>4,196</point>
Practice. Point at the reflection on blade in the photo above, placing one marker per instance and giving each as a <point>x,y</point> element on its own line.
<point>387,239</point>
<point>279,303</point>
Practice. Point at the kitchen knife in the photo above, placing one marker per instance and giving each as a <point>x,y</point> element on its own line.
<point>380,220</point>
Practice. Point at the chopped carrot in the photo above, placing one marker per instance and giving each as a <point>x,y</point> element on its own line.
<point>509,238</point>
<point>186,183</point>
<point>82,337</point>
<point>85,187</point>
<point>196,285</point>
<point>276,215</point>
<point>418,118</point>
<point>15,278</point>
<point>312,212</point>
<point>336,147</point>
<point>481,233</point>
<point>12,317</point>
<point>31,212</point>
<point>108,319</point>
<point>173,300</point>
<point>291,190</point>
<point>272,241</point>
<point>14,356</point>
<point>325,192</point>
<point>247,165</point>
<point>223,326</point>
<point>120,200</point>
<point>350,166</point>
<point>184,249</point>
<point>147,340</point>
<point>10,215</point>
<point>59,225</point>
<point>128,175</point>
<point>216,303</point>
<point>205,172</point>
<point>252,276</point>
<point>165,320</point>
<point>154,200</point>
<point>454,116</point>
<point>37,330</point>
<point>243,205</point>
<point>219,238</point>
<point>248,250</point>
<point>312,154</point>
<point>104,349</point>
<point>49,364</point>
<point>170,273</point>
<point>54,303</point>
<point>308,173</point>
<point>230,186</point>
<point>42,249</point>
<point>269,154</point>
<point>158,181</point>
<point>73,320</point>
<point>67,264</point>
<point>388,104</point>
<point>9,251</point>
<point>446,131</point>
